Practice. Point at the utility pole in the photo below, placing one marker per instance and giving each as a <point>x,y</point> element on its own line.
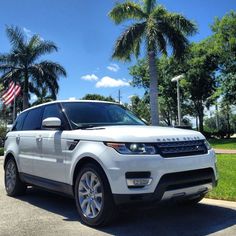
<point>119,97</point>
<point>177,79</point>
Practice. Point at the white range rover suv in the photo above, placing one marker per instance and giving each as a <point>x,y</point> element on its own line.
<point>102,155</point>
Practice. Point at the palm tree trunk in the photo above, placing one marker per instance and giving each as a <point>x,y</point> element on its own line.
<point>153,88</point>
<point>26,91</point>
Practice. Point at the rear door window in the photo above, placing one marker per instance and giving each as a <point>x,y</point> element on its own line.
<point>33,120</point>
<point>19,122</point>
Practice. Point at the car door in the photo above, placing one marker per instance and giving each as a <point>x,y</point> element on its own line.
<point>28,140</point>
<point>25,165</point>
<point>51,164</point>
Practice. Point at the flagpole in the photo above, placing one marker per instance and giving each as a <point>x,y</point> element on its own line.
<point>14,105</point>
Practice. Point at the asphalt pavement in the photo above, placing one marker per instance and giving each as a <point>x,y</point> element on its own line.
<point>42,213</point>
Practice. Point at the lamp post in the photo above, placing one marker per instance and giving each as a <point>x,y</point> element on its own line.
<point>177,79</point>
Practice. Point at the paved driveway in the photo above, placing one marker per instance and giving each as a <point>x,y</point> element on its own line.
<point>42,213</point>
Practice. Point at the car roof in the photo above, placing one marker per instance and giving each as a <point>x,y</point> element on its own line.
<point>71,101</point>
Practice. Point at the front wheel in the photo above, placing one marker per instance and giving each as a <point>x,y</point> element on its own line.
<point>13,185</point>
<point>93,196</point>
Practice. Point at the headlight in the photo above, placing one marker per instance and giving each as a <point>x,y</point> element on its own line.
<point>133,148</point>
<point>207,144</point>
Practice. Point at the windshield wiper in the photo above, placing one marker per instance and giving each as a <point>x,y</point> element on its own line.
<point>86,126</point>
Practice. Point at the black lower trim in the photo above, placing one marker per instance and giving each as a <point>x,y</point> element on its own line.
<point>47,184</point>
<point>171,181</point>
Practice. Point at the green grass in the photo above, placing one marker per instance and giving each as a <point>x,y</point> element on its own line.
<point>223,143</point>
<point>1,151</point>
<point>226,189</point>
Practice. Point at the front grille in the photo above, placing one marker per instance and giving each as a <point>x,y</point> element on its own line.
<point>178,180</point>
<point>181,148</point>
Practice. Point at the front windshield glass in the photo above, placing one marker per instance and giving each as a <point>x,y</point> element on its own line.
<point>90,114</point>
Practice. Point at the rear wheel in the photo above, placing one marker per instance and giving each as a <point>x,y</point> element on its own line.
<point>13,185</point>
<point>93,196</point>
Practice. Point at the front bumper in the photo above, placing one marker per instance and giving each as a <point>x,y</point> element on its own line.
<point>117,166</point>
<point>175,185</point>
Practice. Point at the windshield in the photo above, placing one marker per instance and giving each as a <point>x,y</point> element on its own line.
<point>91,114</point>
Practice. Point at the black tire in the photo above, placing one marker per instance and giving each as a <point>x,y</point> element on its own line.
<point>192,201</point>
<point>17,187</point>
<point>108,209</point>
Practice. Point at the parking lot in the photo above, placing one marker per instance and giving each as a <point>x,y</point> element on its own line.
<point>42,213</point>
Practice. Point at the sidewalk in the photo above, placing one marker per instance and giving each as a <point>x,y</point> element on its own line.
<point>225,151</point>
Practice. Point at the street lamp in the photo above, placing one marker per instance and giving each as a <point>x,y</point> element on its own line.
<point>177,79</point>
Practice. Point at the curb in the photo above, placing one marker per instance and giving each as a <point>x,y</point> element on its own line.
<point>224,151</point>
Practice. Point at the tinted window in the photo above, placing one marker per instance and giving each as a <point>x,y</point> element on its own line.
<point>83,114</point>
<point>33,120</point>
<point>54,111</point>
<point>19,122</point>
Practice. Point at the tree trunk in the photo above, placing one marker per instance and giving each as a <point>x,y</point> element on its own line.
<point>197,126</point>
<point>201,115</point>
<point>26,91</point>
<point>228,121</point>
<point>153,88</point>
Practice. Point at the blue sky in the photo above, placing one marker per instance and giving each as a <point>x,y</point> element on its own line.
<point>85,36</point>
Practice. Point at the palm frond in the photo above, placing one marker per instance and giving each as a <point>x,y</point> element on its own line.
<point>158,13</point>
<point>39,48</point>
<point>34,40</point>
<point>149,5</point>
<point>11,75</point>
<point>181,23</point>
<point>10,59</point>
<point>16,37</point>
<point>127,43</point>
<point>176,39</point>
<point>53,68</point>
<point>126,11</point>
<point>161,43</point>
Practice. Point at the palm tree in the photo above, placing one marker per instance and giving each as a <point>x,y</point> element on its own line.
<point>158,29</point>
<point>43,95</point>
<point>22,64</point>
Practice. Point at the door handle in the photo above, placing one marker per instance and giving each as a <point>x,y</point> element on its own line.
<point>39,138</point>
<point>18,138</point>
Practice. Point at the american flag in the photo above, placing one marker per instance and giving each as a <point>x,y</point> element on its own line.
<point>11,93</point>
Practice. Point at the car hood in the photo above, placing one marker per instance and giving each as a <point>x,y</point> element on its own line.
<point>134,133</point>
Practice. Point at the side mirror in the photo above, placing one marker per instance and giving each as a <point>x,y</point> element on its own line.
<point>51,122</point>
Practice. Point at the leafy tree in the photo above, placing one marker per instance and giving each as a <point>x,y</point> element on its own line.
<point>98,97</point>
<point>224,39</point>
<point>168,68</point>
<point>157,28</point>
<point>42,95</point>
<point>226,124</point>
<point>140,107</point>
<point>200,83</point>
<point>22,64</point>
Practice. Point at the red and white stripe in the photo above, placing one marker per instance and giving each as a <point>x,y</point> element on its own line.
<point>12,92</point>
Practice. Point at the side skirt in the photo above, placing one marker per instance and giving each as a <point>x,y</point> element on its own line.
<point>47,184</point>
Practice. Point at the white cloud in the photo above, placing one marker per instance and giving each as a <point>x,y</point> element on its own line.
<point>113,67</point>
<point>29,33</point>
<point>89,77</point>
<point>107,81</point>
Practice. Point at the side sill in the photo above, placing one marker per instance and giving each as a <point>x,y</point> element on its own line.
<point>48,184</point>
